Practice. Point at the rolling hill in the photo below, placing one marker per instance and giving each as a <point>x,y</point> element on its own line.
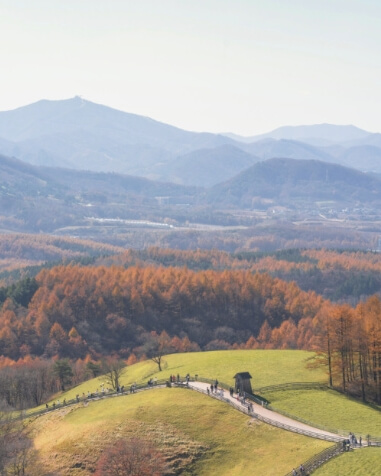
<point>296,183</point>
<point>291,149</point>
<point>194,433</point>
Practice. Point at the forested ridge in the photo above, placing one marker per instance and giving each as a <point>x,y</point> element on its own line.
<point>111,307</point>
<point>337,275</point>
<point>118,304</point>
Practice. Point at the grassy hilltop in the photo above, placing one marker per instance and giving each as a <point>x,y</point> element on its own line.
<point>196,434</point>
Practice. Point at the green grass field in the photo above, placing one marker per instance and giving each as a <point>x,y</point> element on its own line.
<point>196,433</point>
<point>364,462</point>
<point>267,367</point>
<point>200,434</point>
<point>329,409</point>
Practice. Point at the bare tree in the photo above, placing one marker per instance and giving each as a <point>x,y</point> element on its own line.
<point>113,369</point>
<point>16,449</point>
<point>156,346</point>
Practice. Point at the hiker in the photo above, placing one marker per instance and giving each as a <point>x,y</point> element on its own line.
<point>294,473</point>
<point>208,391</point>
<point>301,469</point>
<point>47,406</point>
<point>360,440</point>
<point>212,387</point>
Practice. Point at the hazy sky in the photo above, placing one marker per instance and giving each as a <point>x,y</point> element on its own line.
<point>243,66</point>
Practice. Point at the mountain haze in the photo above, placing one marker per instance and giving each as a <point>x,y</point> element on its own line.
<point>79,134</point>
<point>295,183</point>
<point>318,134</point>
<point>205,167</point>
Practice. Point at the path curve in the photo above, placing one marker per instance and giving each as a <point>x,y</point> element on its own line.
<point>271,417</point>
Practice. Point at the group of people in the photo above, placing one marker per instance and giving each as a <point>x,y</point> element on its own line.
<point>217,391</point>
<point>352,440</point>
<point>178,379</point>
<point>213,387</point>
<point>301,471</point>
<point>220,393</point>
<point>56,404</point>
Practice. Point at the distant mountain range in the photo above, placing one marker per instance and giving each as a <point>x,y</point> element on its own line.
<point>48,199</point>
<point>78,134</point>
<point>318,135</point>
<point>44,199</point>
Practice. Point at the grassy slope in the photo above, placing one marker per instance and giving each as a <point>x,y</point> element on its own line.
<point>365,462</point>
<point>329,409</point>
<point>267,367</point>
<point>197,421</point>
<point>207,436</point>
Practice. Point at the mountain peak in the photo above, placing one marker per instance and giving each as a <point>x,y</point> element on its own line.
<point>316,134</point>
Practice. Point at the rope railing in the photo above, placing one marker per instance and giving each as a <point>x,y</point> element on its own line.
<point>318,460</point>
<point>245,409</point>
<point>292,386</point>
<point>185,382</point>
<point>370,441</point>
